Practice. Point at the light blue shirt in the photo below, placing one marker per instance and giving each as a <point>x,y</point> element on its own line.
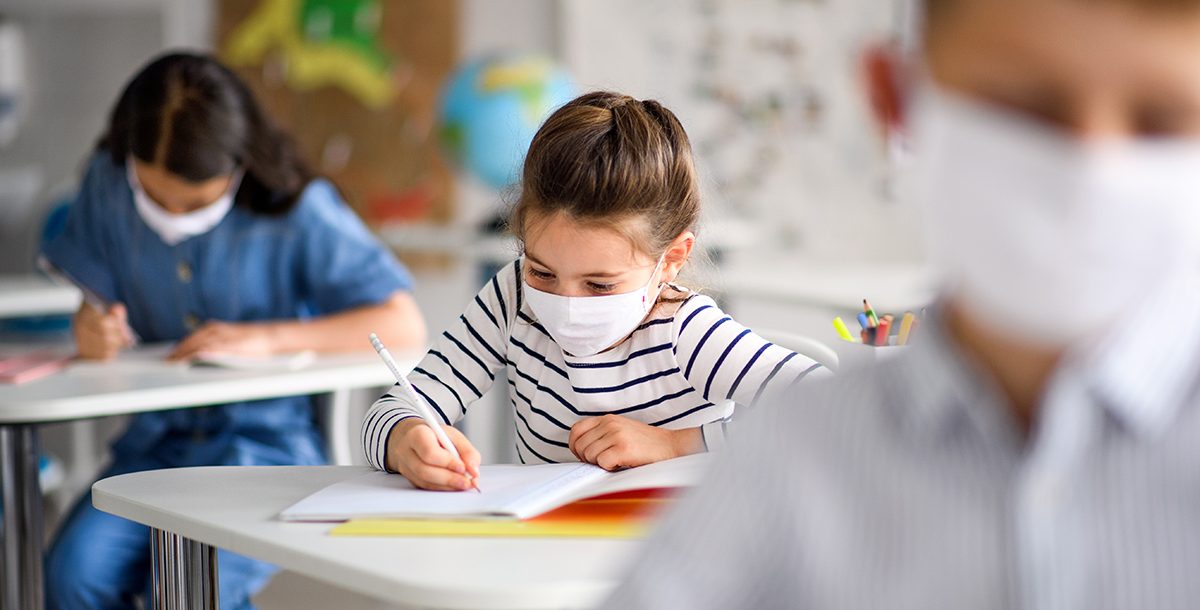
<point>908,485</point>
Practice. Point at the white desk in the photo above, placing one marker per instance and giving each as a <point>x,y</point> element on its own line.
<point>833,287</point>
<point>193,510</point>
<point>136,382</point>
<point>34,295</point>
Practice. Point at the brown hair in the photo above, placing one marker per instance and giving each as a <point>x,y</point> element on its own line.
<point>606,158</point>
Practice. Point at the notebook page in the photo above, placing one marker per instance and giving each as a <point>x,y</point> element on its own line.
<point>289,362</point>
<point>678,472</point>
<point>506,489</point>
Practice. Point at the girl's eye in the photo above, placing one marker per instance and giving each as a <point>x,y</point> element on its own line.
<point>541,275</point>
<point>601,287</point>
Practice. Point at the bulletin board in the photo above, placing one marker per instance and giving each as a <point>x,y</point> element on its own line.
<point>356,82</point>
<point>770,95</point>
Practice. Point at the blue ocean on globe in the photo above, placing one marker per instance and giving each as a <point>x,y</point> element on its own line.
<point>491,108</point>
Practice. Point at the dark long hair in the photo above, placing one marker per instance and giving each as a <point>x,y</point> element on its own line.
<point>192,116</point>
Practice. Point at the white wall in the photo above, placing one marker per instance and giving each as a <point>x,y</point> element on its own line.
<point>770,94</point>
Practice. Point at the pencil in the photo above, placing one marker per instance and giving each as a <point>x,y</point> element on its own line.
<point>841,329</point>
<point>422,407</point>
<point>870,313</point>
<point>881,339</point>
<point>906,326</point>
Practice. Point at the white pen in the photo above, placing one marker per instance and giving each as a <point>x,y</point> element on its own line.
<point>423,408</point>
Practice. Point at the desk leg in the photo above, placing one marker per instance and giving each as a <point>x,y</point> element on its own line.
<point>184,573</point>
<point>338,435</point>
<point>23,530</point>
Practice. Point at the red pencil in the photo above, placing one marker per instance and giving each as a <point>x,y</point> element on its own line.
<point>881,335</point>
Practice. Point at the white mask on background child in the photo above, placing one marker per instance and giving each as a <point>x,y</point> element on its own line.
<point>174,228</point>
<point>586,326</point>
<point>1046,237</point>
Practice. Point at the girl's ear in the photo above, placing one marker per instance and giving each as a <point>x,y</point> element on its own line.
<point>677,254</point>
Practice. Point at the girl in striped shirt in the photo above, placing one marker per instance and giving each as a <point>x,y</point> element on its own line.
<point>607,360</point>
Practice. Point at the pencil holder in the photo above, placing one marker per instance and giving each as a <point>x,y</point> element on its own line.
<point>857,354</point>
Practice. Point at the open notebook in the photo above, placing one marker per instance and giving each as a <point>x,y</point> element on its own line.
<point>509,492</point>
<point>291,361</point>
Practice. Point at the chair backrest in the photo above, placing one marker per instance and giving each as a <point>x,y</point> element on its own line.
<point>338,416</point>
<point>803,345</point>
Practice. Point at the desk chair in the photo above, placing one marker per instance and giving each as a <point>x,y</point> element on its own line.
<point>339,416</point>
<point>805,346</point>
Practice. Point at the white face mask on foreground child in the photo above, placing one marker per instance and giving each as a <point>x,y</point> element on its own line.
<point>585,326</point>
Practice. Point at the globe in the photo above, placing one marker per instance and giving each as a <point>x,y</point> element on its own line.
<point>491,108</point>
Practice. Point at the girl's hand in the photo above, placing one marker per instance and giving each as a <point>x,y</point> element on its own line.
<point>613,442</point>
<point>250,339</point>
<point>413,451</point>
<point>98,335</point>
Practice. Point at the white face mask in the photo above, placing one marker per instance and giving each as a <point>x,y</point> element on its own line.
<point>586,326</point>
<point>174,228</point>
<point>1044,237</point>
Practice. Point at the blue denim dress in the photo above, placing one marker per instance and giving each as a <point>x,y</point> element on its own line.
<point>315,260</point>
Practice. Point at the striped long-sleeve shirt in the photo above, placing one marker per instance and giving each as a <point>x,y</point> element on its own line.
<point>687,365</point>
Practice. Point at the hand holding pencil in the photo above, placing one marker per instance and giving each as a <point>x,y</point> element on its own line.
<point>414,451</point>
<point>427,453</point>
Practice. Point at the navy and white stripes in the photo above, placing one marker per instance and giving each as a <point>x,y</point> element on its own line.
<point>684,367</point>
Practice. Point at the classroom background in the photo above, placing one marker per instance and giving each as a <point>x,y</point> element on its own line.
<point>418,109</point>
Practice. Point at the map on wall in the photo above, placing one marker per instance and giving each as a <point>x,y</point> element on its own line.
<point>769,93</point>
<point>356,82</point>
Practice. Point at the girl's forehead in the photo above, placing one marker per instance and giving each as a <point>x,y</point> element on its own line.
<point>568,245</point>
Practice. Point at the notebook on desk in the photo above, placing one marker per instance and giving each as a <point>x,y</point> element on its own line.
<point>623,515</point>
<point>27,367</point>
<point>509,492</point>
<point>292,361</point>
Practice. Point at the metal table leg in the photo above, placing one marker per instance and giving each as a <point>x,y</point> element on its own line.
<point>23,531</point>
<point>184,573</point>
<point>337,437</point>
